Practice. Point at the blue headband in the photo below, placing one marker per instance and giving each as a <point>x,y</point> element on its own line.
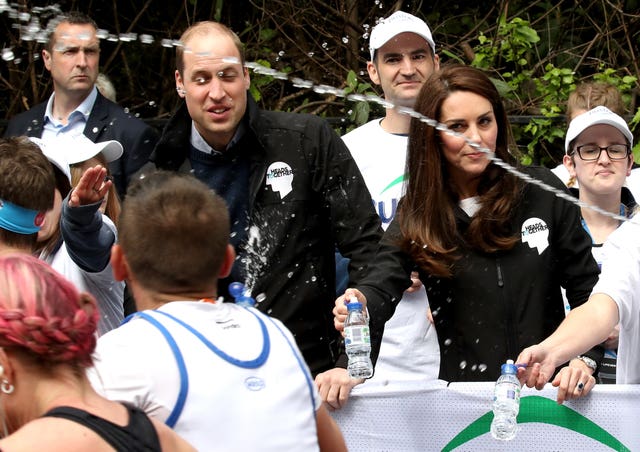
<point>18,219</point>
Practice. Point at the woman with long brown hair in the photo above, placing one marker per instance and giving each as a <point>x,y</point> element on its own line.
<point>491,250</point>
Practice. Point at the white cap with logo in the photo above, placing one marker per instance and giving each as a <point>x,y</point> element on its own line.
<point>398,22</point>
<point>598,115</point>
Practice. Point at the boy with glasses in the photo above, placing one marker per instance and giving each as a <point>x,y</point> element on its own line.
<point>598,155</point>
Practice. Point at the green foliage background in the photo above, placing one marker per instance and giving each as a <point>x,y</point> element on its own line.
<point>535,51</point>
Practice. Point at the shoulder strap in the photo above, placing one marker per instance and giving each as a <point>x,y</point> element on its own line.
<point>172,419</point>
<point>138,435</point>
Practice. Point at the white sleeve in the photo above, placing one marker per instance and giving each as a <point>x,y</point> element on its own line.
<point>620,275</point>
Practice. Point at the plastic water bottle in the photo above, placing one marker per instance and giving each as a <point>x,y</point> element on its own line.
<point>357,341</point>
<point>239,293</point>
<point>506,403</point>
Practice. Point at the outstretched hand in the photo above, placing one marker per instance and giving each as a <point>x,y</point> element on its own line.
<point>334,387</point>
<point>92,187</point>
<point>572,381</point>
<point>538,369</point>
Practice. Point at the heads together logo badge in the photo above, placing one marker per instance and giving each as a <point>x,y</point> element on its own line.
<point>280,178</point>
<point>535,233</point>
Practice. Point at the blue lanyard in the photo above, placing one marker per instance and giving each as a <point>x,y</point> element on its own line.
<point>623,213</point>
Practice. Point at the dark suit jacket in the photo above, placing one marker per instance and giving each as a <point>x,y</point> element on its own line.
<point>107,121</point>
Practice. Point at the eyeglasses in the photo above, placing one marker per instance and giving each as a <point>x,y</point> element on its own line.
<point>591,152</point>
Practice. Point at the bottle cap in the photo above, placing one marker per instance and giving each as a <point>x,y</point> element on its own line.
<point>354,305</point>
<point>236,289</point>
<point>509,368</point>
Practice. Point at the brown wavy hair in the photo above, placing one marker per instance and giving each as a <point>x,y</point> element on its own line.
<point>429,231</point>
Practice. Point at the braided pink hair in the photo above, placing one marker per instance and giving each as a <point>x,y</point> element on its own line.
<point>43,313</point>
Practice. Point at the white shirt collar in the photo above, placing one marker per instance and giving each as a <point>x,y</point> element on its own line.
<point>84,108</point>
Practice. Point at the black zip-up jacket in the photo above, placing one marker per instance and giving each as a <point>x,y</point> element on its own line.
<point>291,267</point>
<point>495,304</point>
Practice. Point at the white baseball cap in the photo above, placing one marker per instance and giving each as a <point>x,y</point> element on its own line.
<point>81,148</point>
<point>398,22</point>
<point>54,154</point>
<point>598,115</point>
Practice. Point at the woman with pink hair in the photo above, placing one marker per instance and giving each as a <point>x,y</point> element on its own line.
<point>47,336</point>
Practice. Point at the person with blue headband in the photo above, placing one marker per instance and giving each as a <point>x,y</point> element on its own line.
<point>26,192</point>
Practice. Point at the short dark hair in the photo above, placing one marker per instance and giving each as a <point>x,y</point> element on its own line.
<point>174,232</point>
<point>73,18</point>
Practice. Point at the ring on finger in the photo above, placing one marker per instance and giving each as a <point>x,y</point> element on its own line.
<point>580,386</point>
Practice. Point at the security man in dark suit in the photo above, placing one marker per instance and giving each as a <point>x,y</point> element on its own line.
<point>72,56</point>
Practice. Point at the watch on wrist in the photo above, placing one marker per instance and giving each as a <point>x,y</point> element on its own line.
<point>589,362</point>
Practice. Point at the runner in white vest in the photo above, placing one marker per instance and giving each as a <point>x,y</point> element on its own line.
<point>224,376</point>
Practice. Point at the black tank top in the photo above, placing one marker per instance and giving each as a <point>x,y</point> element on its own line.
<point>139,435</point>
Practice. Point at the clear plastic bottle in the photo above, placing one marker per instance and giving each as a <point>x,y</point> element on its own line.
<point>506,403</point>
<point>357,341</point>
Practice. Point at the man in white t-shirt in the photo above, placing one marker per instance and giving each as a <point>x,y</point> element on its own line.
<point>224,376</point>
<point>403,56</point>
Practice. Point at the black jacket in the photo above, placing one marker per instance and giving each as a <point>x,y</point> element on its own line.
<point>495,304</point>
<point>291,266</point>
<point>107,121</point>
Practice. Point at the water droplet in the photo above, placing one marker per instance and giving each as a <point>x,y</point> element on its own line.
<point>7,54</point>
<point>289,275</point>
<point>447,342</point>
<point>300,83</point>
<point>345,39</point>
<point>128,37</point>
<point>482,367</point>
<point>325,45</point>
<point>281,53</point>
<point>146,39</point>
<point>310,54</point>
<point>463,365</point>
<point>314,279</point>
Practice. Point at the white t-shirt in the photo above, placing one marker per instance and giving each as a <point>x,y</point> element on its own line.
<point>409,347</point>
<point>108,292</point>
<point>228,407</point>
<point>620,279</point>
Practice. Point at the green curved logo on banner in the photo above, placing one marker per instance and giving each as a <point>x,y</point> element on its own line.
<point>545,411</point>
<point>396,181</point>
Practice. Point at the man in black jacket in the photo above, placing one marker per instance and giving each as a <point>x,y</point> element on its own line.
<point>292,188</point>
<point>76,107</point>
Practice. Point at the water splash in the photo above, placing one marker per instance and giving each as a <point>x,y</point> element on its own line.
<point>33,32</point>
<point>254,260</point>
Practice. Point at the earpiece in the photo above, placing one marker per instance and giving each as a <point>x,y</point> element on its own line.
<point>181,91</point>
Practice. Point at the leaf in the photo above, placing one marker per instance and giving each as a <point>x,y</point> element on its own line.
<point>361,113</point>
<point>352,80</point>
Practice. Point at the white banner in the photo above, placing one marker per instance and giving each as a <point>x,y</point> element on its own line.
<point>429,415</point>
